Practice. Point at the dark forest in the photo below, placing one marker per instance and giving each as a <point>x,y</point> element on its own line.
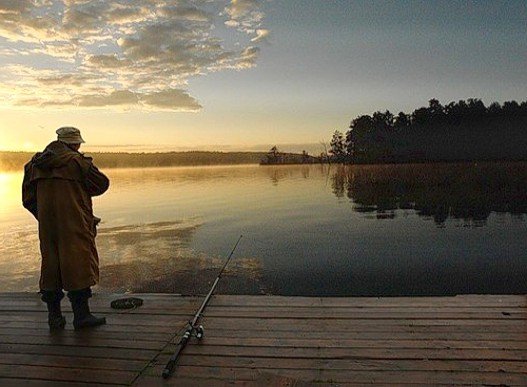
<point>459,131</point>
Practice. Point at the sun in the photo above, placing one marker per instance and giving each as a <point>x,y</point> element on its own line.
<point>10,189</point>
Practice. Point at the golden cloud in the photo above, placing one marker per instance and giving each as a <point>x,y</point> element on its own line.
<point>133,53</point>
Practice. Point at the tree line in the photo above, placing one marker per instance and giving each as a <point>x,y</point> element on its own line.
<point>14,161</point>
<point>458,131</point>
<point>274,156</point>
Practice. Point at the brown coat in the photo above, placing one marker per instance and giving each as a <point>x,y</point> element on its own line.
<point>57,189</point>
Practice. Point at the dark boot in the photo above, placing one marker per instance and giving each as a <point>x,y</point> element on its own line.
<point>56,320</point>
<point>82,318</point>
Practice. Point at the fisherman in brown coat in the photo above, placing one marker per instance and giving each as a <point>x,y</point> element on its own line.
<point>57,189</point>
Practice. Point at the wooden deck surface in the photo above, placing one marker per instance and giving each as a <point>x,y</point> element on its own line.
<point>268,340</point>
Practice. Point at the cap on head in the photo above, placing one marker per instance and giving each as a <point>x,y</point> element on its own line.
<point>69,135</point>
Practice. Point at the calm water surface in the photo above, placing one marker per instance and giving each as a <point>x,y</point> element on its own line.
<point>308,230</point>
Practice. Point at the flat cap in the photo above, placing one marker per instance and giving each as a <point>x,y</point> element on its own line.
<point>69,135</point>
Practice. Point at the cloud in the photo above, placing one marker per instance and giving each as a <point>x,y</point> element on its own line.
<point>108,61</point>
<point>238,9</point>
<point>121,53</point>
<point>261,34</point>
<point>248,57</point>
<point>245,15</point>
<point>123,14</point>
<point>171,99</point>
<point>14,7</point>
<point>118,97</point>
<point>66,79</point>
<point>190,12</point>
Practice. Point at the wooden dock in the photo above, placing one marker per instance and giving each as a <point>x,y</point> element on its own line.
<point>268,340</point>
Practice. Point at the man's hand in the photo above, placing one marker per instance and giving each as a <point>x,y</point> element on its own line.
<point>96,221</point>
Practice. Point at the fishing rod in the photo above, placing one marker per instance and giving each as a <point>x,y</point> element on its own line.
<point>194,329</point>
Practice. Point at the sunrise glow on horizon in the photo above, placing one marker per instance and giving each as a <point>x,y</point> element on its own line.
<point>243,74</point>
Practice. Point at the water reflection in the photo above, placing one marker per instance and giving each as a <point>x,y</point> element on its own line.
<point>169,229</point>
<point>153,257</point>
<point>278,173</point>
<point>470,192</point>
<point>157,258</point>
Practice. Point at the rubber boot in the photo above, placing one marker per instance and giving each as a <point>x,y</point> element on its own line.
<point>56,320</point>
<point>82,318</point>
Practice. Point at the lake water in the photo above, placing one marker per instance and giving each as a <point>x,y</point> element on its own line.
<point>307,230</point>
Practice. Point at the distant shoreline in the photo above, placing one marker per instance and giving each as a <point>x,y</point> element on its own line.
<point>14,161</point>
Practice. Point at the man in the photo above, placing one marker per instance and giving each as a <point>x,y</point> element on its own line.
<point>57,189</point>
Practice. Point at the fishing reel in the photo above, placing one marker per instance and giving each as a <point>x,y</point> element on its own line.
<point>200,332</point>
<point>195,331</point>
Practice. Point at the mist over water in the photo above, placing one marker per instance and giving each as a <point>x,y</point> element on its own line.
<point>308,230</point>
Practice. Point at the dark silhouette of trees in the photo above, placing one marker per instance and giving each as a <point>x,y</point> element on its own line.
<point>274,156</point>
<point>337,147</point>
<point>401,122</point>
<point>463,130</point>
<point>305,157</point>
<point>359,137</point>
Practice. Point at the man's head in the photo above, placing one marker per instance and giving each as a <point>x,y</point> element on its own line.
<point>70,136</point>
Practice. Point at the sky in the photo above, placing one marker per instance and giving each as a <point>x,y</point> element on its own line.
<point>145,75</point>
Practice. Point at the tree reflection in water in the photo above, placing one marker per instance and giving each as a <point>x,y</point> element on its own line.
<point>467,191</point>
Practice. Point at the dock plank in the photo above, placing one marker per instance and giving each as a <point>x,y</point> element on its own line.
<point>71,362</point>
<point>357,365</point>
<point>79,351</point>
<point>272,340</point>
<point>462,300</point>
<point>33,372</point>
<point>357,343</point>
<point>17,382</point>
<point>360,353</point>
<point>233,374</point>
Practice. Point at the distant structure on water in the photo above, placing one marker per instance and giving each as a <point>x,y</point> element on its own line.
<point>274,157</point>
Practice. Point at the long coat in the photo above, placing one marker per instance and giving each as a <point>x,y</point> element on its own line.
<point>57,189</point>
